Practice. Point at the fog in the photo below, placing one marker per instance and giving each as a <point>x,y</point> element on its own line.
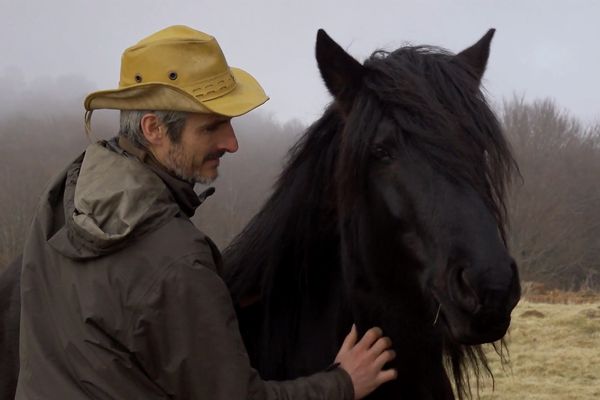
<point>541,49</point>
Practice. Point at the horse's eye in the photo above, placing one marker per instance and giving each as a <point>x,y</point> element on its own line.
<point>381,153</point>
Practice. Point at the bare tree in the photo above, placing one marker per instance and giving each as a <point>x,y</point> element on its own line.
<point>555,217</point>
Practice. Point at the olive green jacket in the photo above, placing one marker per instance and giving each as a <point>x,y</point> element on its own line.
<point>122,298</point>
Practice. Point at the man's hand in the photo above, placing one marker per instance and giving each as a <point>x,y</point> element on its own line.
<point>364,360</point>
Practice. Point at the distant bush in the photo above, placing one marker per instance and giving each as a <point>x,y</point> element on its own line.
<point>555,209</point>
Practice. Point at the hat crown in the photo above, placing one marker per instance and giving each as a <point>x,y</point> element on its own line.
<point>176,33</point>
<point>178,56</point>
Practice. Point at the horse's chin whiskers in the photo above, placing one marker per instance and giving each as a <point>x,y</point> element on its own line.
<point>437,314</point>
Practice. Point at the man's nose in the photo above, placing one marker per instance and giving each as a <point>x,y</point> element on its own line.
<point>228,140</point>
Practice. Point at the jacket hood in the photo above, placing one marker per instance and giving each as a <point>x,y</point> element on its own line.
<point>109,198</point>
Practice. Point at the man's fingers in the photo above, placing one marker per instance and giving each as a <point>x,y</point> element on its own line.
<point>350,339</point>
<point>381,345</point>
<point>386,376</point>
<point>370,337</point>
<point>384,358</point>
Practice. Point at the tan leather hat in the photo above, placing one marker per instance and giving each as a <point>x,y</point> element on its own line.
<point>180,69</point>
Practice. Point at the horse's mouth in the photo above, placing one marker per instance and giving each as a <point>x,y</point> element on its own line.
<point>485,333</point>
<point>470,329</point>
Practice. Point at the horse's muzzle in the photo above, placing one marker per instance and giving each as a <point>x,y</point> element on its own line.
<point>478,303</point>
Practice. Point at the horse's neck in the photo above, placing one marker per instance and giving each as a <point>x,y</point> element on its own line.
<point>410,386</point>
<point>302,290</point>
<point>385,293</point>
<point>302,329</point>
<point>419,353</point>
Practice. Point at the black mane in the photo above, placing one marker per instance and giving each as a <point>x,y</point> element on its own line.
<point>293,240</point>
<point>284,233</point>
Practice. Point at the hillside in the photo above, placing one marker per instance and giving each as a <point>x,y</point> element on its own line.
<point>554,353</point>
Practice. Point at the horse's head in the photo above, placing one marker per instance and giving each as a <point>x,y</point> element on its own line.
<point>421,174</point>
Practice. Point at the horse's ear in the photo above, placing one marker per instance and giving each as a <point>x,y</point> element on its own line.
<point>477,55</point>
<point>340,71</point>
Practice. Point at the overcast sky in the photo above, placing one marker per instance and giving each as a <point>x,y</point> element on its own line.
<point>541,48</point>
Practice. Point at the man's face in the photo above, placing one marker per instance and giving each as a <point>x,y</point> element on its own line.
<point>205,138</point>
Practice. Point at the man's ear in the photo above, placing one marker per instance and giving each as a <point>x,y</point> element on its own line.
<point>153,129</point>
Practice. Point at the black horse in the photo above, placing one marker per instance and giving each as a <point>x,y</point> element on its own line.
<point>389,213</point>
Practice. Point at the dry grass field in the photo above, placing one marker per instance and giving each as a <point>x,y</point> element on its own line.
<point>554,345</point>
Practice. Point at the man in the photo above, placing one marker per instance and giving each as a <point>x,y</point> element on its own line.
<point>121,294</point>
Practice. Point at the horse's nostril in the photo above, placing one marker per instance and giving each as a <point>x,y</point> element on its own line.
<point>463,291</point>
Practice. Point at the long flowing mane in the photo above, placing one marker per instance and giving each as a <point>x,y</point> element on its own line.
<point>295,245</point>
<point>293,241</point>
<point>283,236</point>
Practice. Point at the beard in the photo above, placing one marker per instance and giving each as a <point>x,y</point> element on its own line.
<point>182,165</point>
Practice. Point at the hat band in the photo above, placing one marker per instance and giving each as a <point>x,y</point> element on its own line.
<point>214,87</point>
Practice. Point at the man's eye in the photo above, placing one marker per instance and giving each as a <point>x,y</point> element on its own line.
<point>215,126</point>
<point>212,127</point>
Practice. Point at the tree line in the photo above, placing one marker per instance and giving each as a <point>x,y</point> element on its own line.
<point>554,207</point>
<point>554,204</point>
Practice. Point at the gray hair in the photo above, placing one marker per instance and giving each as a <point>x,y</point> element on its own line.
<point>131,129</point>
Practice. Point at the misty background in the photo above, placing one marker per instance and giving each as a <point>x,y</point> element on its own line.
<point>542,80</point>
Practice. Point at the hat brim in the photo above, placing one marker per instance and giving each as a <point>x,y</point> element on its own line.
<point>158,96</point>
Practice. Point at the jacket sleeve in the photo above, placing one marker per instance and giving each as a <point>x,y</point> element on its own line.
<point>187,340</point>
